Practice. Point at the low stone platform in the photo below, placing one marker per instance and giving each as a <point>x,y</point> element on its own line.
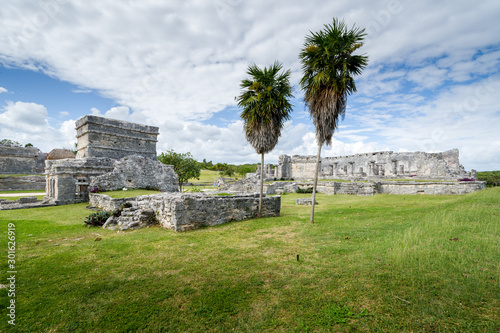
<point>22,203</point>
<point>182,212</point>
<point>387,187</point>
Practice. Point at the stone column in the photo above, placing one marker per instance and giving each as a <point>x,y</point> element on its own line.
<point>352,168</point>
<point>335,166</point>
<point>395,167</point>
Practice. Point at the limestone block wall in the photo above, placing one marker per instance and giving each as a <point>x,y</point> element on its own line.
<point>24,183</point>
<point>182,212</point>
<point>67,180</point>
<point>104,137</point>
<point>377,165</point>
<point>436,188</point>
<point>18,160</point>
<point>137,171</point>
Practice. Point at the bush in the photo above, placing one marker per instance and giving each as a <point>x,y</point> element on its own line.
<point>466,180</point>
<point>96,189</point>
<point>305,190</point>
<point>97,219</point>
<point>492,178</point>
<point>118,212</point>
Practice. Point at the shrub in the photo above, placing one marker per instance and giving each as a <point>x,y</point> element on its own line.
<point>466,180</point>
<point>118,212</point>
<point>492,178</point>
<point>305,190</point>
<point>96,189</point>
<point>97,219</point>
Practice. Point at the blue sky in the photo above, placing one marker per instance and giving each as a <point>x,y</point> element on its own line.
<point>432,82</point>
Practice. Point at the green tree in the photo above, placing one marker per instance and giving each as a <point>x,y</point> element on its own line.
<point>328,65</point>
<point>28,145</point>
<point>266,106</point>
<point>10,143</point>
<point>185,166</point>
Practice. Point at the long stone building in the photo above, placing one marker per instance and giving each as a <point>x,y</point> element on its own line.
<point>377,165</point>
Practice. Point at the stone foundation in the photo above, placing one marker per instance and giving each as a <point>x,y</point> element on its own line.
<point>182,212</point>
<point>441,188</point>
<point>372,188</point>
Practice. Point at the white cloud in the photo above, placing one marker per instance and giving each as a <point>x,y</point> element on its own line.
<point>28,122</point>
<point>3,90</point>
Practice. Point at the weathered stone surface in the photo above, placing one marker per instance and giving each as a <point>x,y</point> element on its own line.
<point>131,218</point>
<point>378,165</point>
<point>67,180</point>
<point>23,183</point>
<point>22,203</point>
<point>18,160</point>
<point>111,138</point>
<point>372,188</point>
<point>440,188</point>
<point>182,212</point>
<point>305,201</point>
<point>137,171</point>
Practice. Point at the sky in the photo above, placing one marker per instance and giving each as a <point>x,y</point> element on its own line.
<point>432,82</point>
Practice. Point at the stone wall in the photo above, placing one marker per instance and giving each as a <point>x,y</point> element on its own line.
<point>110,138</point>
<point>440,188</point>
<point>67,180</point>
<point>182,212</point>
<point>138,172</point>
<point>372,188</point>
<point>24,183</point>
<point>18,160</point>
<point>378,165</point>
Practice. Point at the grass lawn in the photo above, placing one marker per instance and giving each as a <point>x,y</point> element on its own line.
<point>369,264</point>
<point>206,176</point>
<point>39,197</point>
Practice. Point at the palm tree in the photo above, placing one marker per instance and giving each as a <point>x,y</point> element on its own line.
<point>329,65</point>
<point>265,103</point>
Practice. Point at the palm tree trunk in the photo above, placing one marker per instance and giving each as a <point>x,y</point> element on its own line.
<point>316,171</point>
<point>259,214</point>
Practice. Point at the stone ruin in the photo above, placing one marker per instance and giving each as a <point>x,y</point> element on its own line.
<point>21,160</point>
<point>112,154</point>
<point>367,174</point>
<point>375,166</point>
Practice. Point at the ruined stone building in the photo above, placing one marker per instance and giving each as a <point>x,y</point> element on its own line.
<point>21,160</point>
<point>112,154</point>
<point>378,165</point>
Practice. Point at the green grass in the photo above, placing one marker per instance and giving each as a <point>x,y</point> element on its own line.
<point>492,178</point>
<point>120,194</point>
<point>369,264</point>
<point>206,176</point>
<point>21,175</point>
<point>28,191</point>
<point>39,197</point>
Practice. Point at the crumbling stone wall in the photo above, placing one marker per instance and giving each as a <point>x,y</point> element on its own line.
<point>111,138</point>
<point>23,183</point>
<point>378,165</point>
<point>138,172</point>
<point>182,212</point>
<point>67,180</point>
<point>18,160</point>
